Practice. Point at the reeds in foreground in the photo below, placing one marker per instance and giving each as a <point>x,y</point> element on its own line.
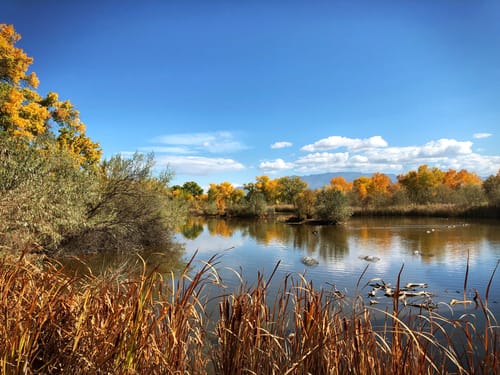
<point>120,323</point>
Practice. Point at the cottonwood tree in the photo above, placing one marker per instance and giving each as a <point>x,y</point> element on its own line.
<point>289,189</point>
<point>25,114</point>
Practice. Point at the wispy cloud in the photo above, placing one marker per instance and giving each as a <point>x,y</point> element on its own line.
<point>481,135</point>
<point>213,142</point>
<point>351,144</point>
<point>198,165</point>
<point>282,144</point>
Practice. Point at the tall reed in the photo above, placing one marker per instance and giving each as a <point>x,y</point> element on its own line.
<point>124,323</point>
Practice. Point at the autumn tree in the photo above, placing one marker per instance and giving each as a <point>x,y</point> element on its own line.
<point>25,114</point>
<point>421,184</point>
<point>360,190</point>
<point>268,188</point>
<point>339,183</point>
<point>455,180</point>
<point>224,195</point>
<point>289,189</point>
<point>380,189</point>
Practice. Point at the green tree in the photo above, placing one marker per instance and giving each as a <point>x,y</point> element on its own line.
<point>192,189</point>
<point>289,189</point>
<point>491,187</point>
<point>331,205</point>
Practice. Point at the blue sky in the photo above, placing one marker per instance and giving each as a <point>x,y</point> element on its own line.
<point>230,90</point>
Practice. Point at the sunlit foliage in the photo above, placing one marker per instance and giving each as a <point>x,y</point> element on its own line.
<point>26,114</point>
<point>339,183</point>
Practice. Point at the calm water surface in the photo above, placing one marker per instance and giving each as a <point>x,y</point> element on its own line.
<point>433,251</point>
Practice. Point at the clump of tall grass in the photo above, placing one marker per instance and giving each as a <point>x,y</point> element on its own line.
<point>54,322</point>
<point>310,331</point>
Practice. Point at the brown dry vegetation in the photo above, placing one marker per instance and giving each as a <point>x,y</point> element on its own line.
<point>150,323</point>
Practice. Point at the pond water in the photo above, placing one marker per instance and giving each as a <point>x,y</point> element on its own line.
<point>433,251</point>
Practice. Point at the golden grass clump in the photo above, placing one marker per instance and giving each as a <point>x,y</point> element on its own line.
<point>150,323</point>
<point>53,323</point>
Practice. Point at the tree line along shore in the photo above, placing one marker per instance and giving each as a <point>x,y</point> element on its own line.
<point>57,194</point>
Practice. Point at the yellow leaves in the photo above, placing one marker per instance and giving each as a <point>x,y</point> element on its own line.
<point>51,99</point>
<point>33,80</point>
<point>23,112</point>
<point>222,194</point>
<point>24,118</point>
<point>14,63</point>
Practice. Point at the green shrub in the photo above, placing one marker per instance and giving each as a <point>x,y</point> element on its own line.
<point>43,194</point>
<point>134,210</point>
<point>331,205</point>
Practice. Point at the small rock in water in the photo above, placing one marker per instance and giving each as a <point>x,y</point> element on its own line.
<point>309,261</point>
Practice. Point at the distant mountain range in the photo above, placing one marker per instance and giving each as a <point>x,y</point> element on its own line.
<point>316,181</point>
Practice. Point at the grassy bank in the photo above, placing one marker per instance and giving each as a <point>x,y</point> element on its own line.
<point>52,322</point>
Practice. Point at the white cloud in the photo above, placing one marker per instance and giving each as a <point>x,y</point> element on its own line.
<point>352,144</point>
<point>481,135</point>
<point>322,162</point>
<point>275,166</point>
<point>443,153</point>
<point>198,165</point>
<point>214,142</point>
<point>445,148</point>
<point>282,144</point>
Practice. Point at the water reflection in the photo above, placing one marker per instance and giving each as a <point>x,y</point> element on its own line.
<point>328,241</point>
<point>164,260</point>
<point>433,240</point>
<point>432,250</point>
<point>191,229</point>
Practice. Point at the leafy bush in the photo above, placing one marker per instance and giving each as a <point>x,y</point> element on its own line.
<point>331,205</point>
<point>48,202</point>
<point>43,194</point>
<point>132,211</point>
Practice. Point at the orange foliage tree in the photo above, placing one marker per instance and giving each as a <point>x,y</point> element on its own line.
<point>456,180</point>
<point>224,195</point>
<point>339,183</point>
<point>25,114</point>
<point>360,189</point>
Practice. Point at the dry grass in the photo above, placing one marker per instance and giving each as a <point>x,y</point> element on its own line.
<point>149,323</point>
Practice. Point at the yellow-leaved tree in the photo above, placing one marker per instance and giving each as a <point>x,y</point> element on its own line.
<point>25,114</point>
